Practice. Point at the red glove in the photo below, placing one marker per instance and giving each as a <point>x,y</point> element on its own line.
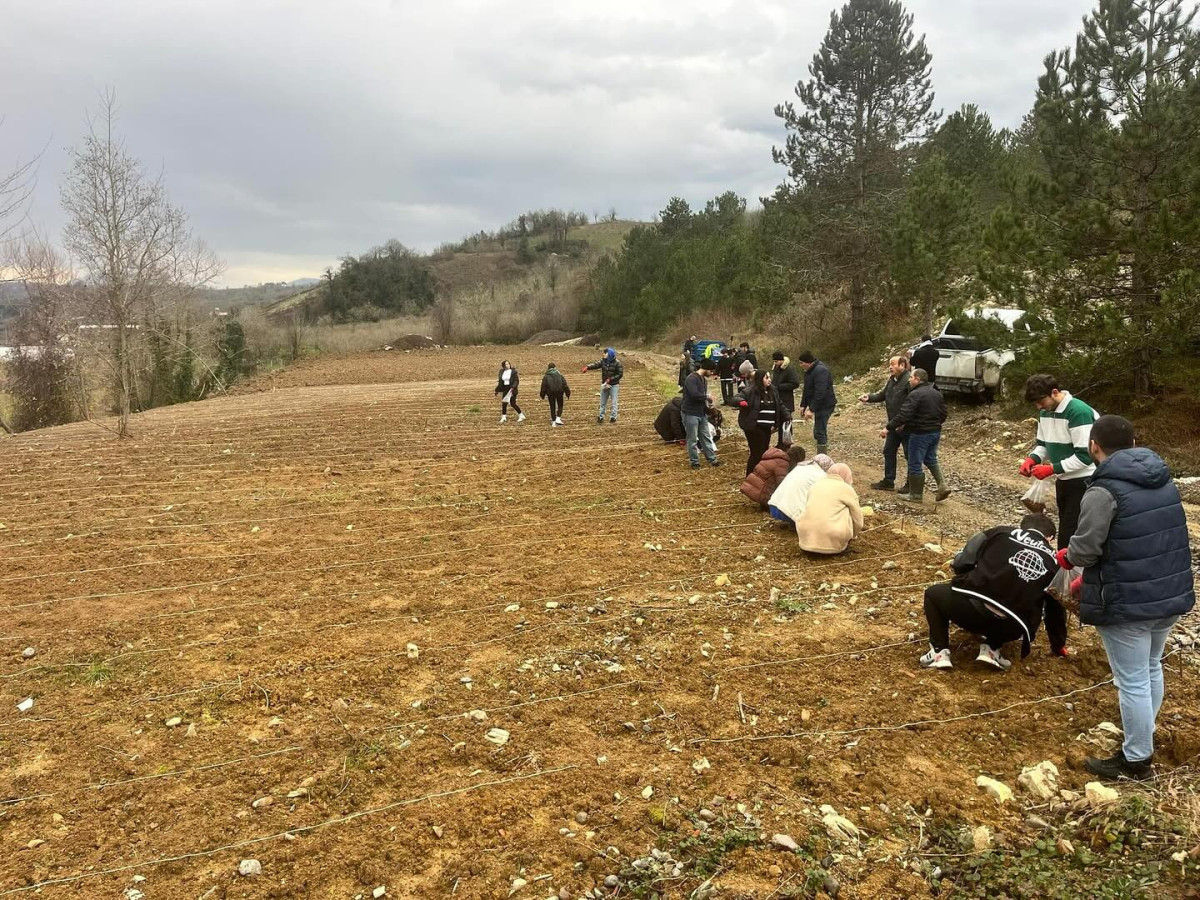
<point>1061,556</point>
<point>1076,585</point>
<point>584,369</point>
<point>1042,472</point>
<point>1064,652</point>
<point>743,404</point>
<point>1027,467</point>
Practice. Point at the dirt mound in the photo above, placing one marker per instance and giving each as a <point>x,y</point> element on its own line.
<point>551,336</point>
<point>411,342</point>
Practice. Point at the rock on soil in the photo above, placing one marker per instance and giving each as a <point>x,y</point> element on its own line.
<point>1040,781</point>
<point>550,336</point>
<point>249,867</point>
<point>997,790</point>
<point>1100,795</point>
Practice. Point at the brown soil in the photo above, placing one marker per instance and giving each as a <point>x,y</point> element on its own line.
<point>256,567</point>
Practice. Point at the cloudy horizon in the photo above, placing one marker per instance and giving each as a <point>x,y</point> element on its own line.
<point>294,133</point>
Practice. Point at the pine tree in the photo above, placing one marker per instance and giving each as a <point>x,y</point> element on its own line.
<point>1103,244</point>
<point>867,101</point>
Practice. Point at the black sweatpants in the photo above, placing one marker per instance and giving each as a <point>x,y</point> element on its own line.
<point>727,391</point>
<point>556,405</point>
<point>759,441</point>
<point>945,606</point>
<point>1068,495</point>
<point>512,401</point>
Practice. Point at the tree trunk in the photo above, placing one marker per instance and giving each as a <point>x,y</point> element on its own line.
<point>124,376</point>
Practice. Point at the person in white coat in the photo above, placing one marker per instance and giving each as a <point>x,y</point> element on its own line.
<point>789,499</point>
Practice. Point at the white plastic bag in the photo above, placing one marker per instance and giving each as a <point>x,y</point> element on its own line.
<point>1035,498</point>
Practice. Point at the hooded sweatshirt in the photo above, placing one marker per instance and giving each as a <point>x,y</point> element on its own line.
<point>786,381</point>
<point>610,367</point>
<point>832,518</point>
<point>554,384</point>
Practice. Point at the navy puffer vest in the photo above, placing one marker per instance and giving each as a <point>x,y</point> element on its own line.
<point>1145,572</point>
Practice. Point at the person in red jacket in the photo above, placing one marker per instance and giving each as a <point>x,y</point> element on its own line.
<point>770,471</point>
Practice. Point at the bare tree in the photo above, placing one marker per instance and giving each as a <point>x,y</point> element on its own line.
<point>16,189</point>
<point>136,247</point>
<point>442,317</point>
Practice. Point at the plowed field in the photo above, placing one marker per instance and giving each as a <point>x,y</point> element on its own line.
<point>283,626</point>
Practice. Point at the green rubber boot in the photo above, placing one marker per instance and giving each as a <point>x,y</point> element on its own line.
<point>916,489</point>
<point>942,490</point>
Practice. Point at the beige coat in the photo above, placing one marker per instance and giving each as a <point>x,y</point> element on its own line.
<point>831,519</point>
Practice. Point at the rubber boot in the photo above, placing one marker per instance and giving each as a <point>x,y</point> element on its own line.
<point>903,489</point>
<point>885,485</point>
<point>942,490</point>
<point>916,489</point>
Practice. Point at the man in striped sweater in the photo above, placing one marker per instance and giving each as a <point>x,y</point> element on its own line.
<point>1063,432</point>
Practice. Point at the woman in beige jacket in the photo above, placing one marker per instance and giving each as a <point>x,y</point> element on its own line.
<point>832,518</point>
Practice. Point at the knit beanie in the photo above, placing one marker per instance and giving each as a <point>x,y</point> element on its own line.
<point>746,369</point>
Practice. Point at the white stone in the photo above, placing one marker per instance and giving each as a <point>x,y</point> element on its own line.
<point>477,715</point>
<point>647,792</point>
<point>497,736</point>
<point>1099,795</point>
<point>701,765</point>
<point>997,790</point>
<point>28,653</point>
<point>173,722</point>
<point>785,842</point>
<point>379,891</point>
<point>412,651</point>
<point>1040,781</point>
<point>25,705</point>
<point>837,826</point>
<point>981,838</point>
<point>249,867</point>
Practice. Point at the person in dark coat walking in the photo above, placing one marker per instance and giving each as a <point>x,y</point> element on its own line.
<point>998,592</point>
<point>507,383</point>
<point>785,379</point>
<point>1132,545</point>
<point>760,414</point>
<point>892,396</point>
<point>818,400</point>
<point>921,417</point>
<point>926,357</point>
<point>554,388</point>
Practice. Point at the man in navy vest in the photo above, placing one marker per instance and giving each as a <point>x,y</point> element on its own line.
<point>1132,544</point>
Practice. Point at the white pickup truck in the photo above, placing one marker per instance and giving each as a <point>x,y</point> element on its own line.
<point>965,366</point>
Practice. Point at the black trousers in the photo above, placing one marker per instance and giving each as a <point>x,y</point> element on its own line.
<point>759,440</point>
<point>945,606</point>
<point>1068,495</point>
<point>511,402</point>
<point>556,405</point>
<point>726,390</point>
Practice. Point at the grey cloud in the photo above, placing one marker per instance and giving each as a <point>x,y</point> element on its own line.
<point>293,133</point>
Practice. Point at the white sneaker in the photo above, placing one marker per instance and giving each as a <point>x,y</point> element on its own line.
<point>554,424</point>
<point>521,417</point>
<point>558,421</point>
<point>936,659</point>
<point>503,419</point>
<point>992,658</point>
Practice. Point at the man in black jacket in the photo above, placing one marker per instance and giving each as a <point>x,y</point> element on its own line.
<point>892,396</point>
<point>926,357</point>
<point>998,592</point>
<point>785,379</point>
<point>611,373</point>
<point>921,417</point>
<point>695,424</point>
<point>727,371</point>
<point>554,388</point>
<point>818,400</point>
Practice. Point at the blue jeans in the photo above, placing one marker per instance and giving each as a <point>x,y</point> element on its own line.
<point>698,438</point>
<point>1135,652</point>
<point>607,391</point>
<point>821,426</point>
<point>922,451</point>
<point>891,445</point>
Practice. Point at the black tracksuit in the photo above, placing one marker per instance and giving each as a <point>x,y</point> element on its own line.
<point>554,388</point>
<point>998,590</point>
<point>727,371</point>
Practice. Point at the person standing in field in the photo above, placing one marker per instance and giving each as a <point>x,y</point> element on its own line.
<point>695,421</point>
<point>611,373</point>
<point>1133,546</point>
<point>921,417</point>
<point>892,396</point>
<point>727,371</point>
<point>926,357</point>
<point>554,389</point>
<point>1061,450</point>
<point>760,415</point>
<point>785,379</point>
<point>506,390</point>
<point>818,400</point>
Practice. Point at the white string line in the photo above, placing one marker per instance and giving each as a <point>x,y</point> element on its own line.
<point>203,487</point>
<point>309,569</point>
<point>102,785</point>
<point>901,727</point>
<point>408,538</point>
<point>500,709</point>
<point>204,687</point>
<point>304,829</point>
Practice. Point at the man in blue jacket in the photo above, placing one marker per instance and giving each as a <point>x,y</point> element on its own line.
<point>1132,544</point>
<point>818,400</point>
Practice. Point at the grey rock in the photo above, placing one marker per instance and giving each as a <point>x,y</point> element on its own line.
<point>581,817</point>
<point>249,867</point>
<point>707,815</point>
<point>831,886</point>
<point>612,882</point>
<point>28,653</point>
<point>785,842</point>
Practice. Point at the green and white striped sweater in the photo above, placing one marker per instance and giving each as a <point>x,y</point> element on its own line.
<point>1062,438</point>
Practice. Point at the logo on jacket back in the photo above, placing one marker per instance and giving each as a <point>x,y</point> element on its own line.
<point>1030,565</point>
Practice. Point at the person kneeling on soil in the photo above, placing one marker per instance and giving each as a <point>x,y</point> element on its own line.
<point>788,502</point>
<point>760,485</point>
<point>554,388</point>
<point>998,591</point>
<point>669,423</point>
<point>832,518</point>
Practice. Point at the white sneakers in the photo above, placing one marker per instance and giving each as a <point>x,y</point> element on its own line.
<point>503,419</point>
<point>936,659</point>
<point>521,417</point>
<point>992,658</point>
<point>559,421</point>
<point>554,423</point>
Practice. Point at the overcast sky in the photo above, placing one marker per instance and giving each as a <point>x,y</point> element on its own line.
<point>295,132</point>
